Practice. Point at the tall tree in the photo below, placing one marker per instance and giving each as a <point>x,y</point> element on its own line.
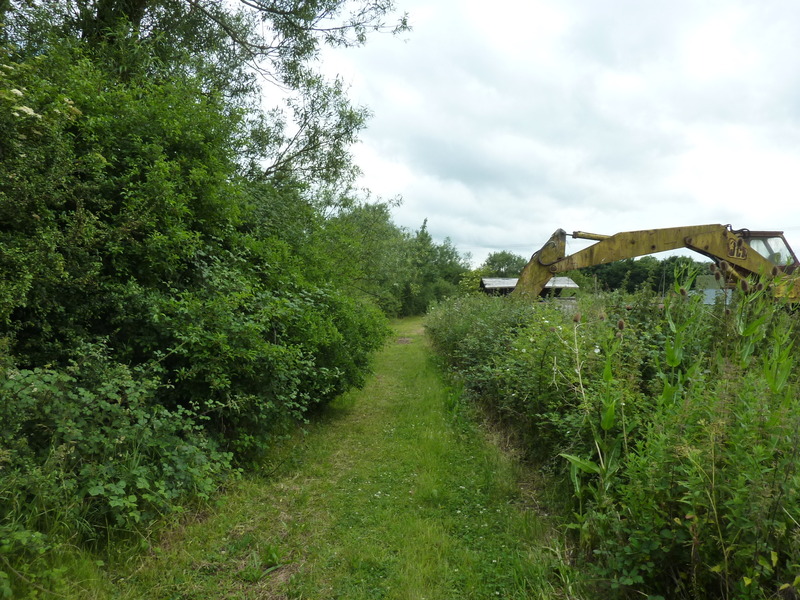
<point>503,264</point>
<point>435,270</point>
<point>228,44</point>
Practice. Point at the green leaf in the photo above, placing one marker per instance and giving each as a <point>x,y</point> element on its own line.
<point>674,350</point>
<point>608,373</point>
<point>753,327</point>
<point>584,465</point>
<point>609,419</point>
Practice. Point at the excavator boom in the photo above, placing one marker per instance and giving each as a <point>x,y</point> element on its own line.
<point>745,253</point>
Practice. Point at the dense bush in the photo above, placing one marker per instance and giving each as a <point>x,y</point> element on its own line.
<point>88,454</point>
<point>156,332</point>
<point>676,426</point>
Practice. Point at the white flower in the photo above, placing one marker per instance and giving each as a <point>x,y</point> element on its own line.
<point>16,92</point>
<point>28,111</point>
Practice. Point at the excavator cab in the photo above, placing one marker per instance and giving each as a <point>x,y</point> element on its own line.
<point>772,246</point>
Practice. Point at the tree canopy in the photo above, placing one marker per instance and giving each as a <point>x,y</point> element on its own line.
<point>631,274</point>
<point>503,264</point>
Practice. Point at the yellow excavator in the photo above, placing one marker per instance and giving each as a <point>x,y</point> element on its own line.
<point>739,254</point>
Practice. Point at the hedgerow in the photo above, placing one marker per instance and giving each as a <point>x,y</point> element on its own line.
<point>154,340</point>
<point>674,425</point>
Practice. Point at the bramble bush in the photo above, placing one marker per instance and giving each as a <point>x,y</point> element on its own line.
<point>88,454</point>
<point>674,423</point>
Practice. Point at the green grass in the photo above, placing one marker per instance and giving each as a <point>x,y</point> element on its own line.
<point>393,493</point>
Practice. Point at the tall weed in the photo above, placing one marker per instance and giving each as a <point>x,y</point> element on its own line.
<point>676,425</point>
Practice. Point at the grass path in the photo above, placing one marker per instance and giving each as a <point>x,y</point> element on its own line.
<point>392,494</point>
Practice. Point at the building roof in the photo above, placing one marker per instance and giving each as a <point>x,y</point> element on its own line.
<point>504,283</point>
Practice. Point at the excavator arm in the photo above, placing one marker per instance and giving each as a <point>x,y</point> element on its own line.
<point>718,242</point>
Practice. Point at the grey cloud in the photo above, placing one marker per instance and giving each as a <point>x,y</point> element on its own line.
<point>505,146</point>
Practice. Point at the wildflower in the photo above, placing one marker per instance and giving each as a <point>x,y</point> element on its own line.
<point>16,92</point>
<point>683,292</point>
<point>745,286</point>
<point>620,324</point>
<point>577,317</point>
<point>775,271</point>
<point>597,349</point>
<point>28,111</point>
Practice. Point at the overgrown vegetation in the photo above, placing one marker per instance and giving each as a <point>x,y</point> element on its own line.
<point>394,493</point>
<point>674,426</point>
<point>182,274</point>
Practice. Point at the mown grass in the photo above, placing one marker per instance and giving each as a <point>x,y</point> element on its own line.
<point>393,493</point>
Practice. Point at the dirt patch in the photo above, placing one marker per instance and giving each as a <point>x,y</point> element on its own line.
<point>272,586</point>
<point>404,340</point>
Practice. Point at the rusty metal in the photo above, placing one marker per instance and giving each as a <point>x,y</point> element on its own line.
<point>717,242</point>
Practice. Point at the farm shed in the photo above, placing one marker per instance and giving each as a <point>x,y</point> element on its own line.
<point>501,286</point>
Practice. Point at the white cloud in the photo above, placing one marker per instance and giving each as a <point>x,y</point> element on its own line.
<point>500,124</point>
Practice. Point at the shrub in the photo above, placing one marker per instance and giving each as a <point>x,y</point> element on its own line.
<point>676,424</point>
<point>88,454</point>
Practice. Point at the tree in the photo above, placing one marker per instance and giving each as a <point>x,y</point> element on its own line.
<point>503,264</point>
<point>226,45</point>
<point>632,274</point>
<point>435,270</point>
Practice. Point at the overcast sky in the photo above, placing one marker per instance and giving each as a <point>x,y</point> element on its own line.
<point>501,122</point>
